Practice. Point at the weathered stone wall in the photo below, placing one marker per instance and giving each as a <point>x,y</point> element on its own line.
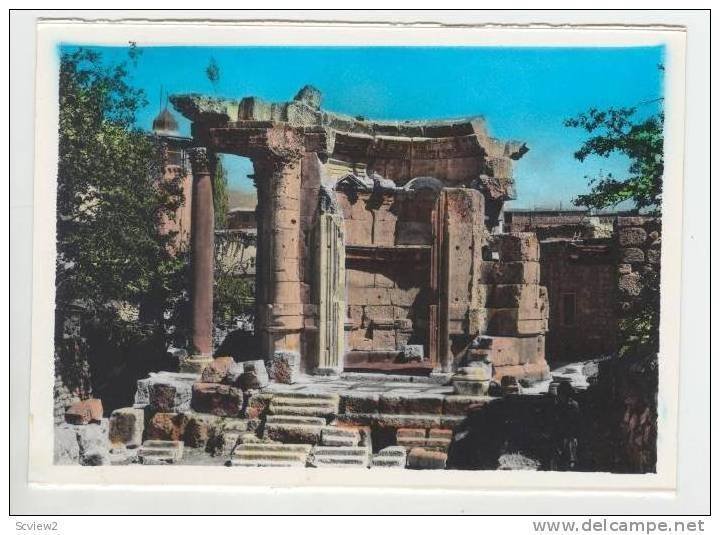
<point>516,306</point>
<point>621,416</point>
<point>637,240</point>
<point>584,273</point>
<point>388,238</point>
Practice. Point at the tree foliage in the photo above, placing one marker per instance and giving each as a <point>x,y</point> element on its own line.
<point>110,201</point>
<point>616,130</point>
<point>220,195</point>
<point>212,71</point>
<point>234,293</point>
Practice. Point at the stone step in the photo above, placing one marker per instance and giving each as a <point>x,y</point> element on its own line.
<point>340,436</point>
<point>303,402</point>
<point>293,433</point>
<point>331,456</point>
<point>390,457</point>
<point>427,443</point>
<point>381,461</point>
<point>338,441</point>
<point>265,463</point>
<point>289,419</point>
<point>429,421</point>
<point>270,455</point>
<point>160,451</point>
<point>324,411</point>
<point>313,404</point>
<point>340,451</point>
<point>327,396</point>
<point>339,461</point>
<point>265,446</point>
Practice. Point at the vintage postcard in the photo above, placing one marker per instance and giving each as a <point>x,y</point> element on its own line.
<point>299,255</point>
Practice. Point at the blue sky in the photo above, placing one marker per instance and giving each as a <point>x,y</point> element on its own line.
<point>524,93</point>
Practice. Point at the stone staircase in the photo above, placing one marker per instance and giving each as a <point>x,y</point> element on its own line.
<point>299,418</point>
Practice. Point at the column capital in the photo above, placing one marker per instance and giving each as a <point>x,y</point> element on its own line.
<point>199,160</point>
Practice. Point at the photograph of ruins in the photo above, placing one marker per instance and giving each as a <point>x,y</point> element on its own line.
<point>343,257</point>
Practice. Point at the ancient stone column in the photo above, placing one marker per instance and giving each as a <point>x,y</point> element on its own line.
<point>331,289</point>
<point>202,243</point>
<point>279,320</point>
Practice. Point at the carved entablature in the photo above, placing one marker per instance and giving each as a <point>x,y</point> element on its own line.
<point>457,153</point>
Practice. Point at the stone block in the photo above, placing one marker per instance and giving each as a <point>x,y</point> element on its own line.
<point>359,279</point>
<point>159,452</point>
<point>340,436</point>
<point>217,399</point>
<point>199,429</point>
<point>390,457</point>
<point>413,233</point>
<point>410,404</point>
<point>258,405</point>
<point>66,449</point>
<point>630,284</point>
<point>410,432</point>
<point>413,353</point>
<point>532,370</point>
<point>511,350</point>
<point>653,256</point>
<point>470,387</point>
<point>632,255</point>
<point>285,367</point>
<point>512,295</point>
<point>255,376</point>
<point>294,433</point>
<point>404,297</point>
<point>217,370</point>
<point>518,247</point>
<point>510,273</point>
<point>631,236</point>
<point>122,456</point>
<point>383,281</point>
<point>358,232</point>
<point>84,412</point>
<point>166,426</point>
<point>127,426</point>
<point>94,444</point>
<point>383,338</point>
<point>516,321</point>
<point>459,405</point>
<point>170,395</point>
<point>359,403</point>
<point>142,394</point>
<point>423,459</point>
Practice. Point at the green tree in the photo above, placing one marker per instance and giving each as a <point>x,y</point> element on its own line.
<point>220,194</point>
<point>112,254</point>
<point>212,71</point>
<point>617,130</point>
<point>641,140</point>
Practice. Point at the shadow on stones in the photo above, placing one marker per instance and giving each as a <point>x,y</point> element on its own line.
<point>241,345</point>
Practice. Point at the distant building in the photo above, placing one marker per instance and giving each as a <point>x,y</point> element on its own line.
<point>579,260</point>
<point>241,218</point>
<point>175,162</point>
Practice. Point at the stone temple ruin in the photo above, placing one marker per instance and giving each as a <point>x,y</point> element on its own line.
<point>389,300</point>
<point>379,244</point>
